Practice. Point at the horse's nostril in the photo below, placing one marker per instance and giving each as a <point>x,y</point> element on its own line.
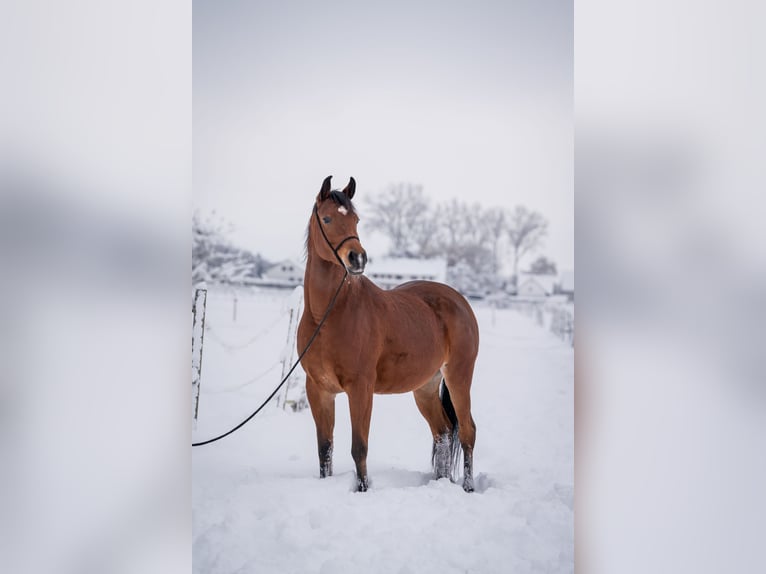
<point>357,260</point>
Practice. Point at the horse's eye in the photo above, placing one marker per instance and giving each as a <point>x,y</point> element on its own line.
<point>327,219</point>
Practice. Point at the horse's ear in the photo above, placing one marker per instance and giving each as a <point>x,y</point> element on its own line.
<point>350,188</point>
<point>324,193</point>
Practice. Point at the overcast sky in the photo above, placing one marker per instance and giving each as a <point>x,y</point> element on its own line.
<point>470,100</point>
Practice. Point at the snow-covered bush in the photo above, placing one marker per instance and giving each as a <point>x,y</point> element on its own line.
<point>215,260</point>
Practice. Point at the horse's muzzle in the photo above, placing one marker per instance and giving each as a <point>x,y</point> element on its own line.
<point>356,262</point>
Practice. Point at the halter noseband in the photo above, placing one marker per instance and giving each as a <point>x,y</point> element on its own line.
<point>334,249</point>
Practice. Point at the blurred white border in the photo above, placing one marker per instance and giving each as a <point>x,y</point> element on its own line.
<point>95,190</point>
<point>671,286</point>
<point>95,142</point>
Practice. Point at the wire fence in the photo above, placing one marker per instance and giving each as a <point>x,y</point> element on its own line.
<point>556,316</point>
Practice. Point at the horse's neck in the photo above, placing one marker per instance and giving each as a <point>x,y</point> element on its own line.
<point>320,282</point>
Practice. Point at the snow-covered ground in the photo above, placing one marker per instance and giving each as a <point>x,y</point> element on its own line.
<point>259,506</point>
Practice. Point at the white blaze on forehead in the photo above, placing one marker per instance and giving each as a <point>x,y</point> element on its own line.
<point>342,210</point>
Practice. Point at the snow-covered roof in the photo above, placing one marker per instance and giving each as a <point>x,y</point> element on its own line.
<point>406,266</point>
<point>545,281</point>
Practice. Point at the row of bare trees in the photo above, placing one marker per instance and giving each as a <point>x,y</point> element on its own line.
<point>469,236</point>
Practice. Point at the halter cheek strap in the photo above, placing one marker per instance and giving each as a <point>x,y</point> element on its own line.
<point>334,249</point>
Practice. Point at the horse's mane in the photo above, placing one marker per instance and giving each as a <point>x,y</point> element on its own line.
<point>341,200</point>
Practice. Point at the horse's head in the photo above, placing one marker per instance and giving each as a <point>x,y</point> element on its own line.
<point>333,228</point>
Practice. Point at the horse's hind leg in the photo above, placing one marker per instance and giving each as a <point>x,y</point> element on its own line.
<point>430,406</point>
<point>458,375</point>
<point>322,406</point>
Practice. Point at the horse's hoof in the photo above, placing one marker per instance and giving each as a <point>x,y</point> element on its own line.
<point>362,485</point>
<point>468,485</point>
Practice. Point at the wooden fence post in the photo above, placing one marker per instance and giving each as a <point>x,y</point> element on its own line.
<point>198,339</point>
<point>290,353</point>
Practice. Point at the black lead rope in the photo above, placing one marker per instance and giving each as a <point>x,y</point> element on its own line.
<point>306,348</point>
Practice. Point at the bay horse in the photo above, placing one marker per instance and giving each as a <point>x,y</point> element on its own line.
<point>421,336</point>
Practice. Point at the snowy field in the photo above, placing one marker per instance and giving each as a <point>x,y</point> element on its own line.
<point>260,507</point>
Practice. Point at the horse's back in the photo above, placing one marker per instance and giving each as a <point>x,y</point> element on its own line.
<point>450,307</point>
<point>421,326</point>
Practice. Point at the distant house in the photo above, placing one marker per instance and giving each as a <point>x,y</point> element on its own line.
<point>388,272</point>
<point>286,273</point>
<point>532,286</point>
<point>566,284</point>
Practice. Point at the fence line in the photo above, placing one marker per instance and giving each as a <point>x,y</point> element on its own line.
<point>558,317</point>
<point>250,381</point>
<point>253,339</point>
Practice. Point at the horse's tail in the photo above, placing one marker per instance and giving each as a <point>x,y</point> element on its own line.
<point>455,448</point>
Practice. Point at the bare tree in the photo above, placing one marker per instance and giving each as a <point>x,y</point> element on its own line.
<point>402,213</point>
<point>451,216</point>
<point>494,221</point>
<point>526,230</point>
<point>425,235</point>
<point>464,236</point>
<point>207,234</point>
<point>543,266</point>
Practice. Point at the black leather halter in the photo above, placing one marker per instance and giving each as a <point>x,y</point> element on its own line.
<point>334,249</point>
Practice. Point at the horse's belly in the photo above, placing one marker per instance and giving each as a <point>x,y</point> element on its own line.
<point>405,377</point>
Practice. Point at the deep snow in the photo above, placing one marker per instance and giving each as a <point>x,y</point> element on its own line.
<point>259,506</point>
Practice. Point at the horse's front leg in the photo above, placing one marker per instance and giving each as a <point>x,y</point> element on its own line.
<point>360,406</point>
<point>322,406</point>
